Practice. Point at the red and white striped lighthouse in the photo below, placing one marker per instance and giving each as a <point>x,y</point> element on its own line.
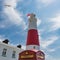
<point>32,37</point>
<point>32,51</point>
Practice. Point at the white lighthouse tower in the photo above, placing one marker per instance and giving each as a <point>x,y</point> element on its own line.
<point>32,37</point>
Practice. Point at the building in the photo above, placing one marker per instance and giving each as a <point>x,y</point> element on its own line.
<point>9,52</point>
<point>32,51</point>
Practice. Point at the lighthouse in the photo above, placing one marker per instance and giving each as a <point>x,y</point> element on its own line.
<point>32,36</point>
<point>32,51</point>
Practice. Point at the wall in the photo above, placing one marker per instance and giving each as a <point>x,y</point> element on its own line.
<point>9,51</point>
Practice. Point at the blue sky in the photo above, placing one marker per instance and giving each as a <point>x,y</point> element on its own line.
<point>14,23</point>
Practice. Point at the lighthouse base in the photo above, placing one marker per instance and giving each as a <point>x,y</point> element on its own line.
<point>31,55</point>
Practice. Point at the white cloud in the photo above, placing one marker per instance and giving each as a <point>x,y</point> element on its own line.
<point>39,34</point>
<point>56,22</point>
<point>12,14</point>
<point>0,40</point>
<point>47,1</point>
<point>52,50</point>
<point>23,47</point>
<point>49,41</point>
<point>2,37</point>
<point>41,3</point>
<point>49,57</point>
<point>12,3</point>
<point>2,26</point>
<point>52,58</point>
<point>38,22</point>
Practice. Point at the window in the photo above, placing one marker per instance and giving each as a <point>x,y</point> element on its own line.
<point>34,47</point>
<point>13,54</point>
<point>4,52</point>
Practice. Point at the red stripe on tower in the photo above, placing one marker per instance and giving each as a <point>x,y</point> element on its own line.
<point>32,38</point>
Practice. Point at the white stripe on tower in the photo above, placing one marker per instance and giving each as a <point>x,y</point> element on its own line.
<point>32,38</point>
